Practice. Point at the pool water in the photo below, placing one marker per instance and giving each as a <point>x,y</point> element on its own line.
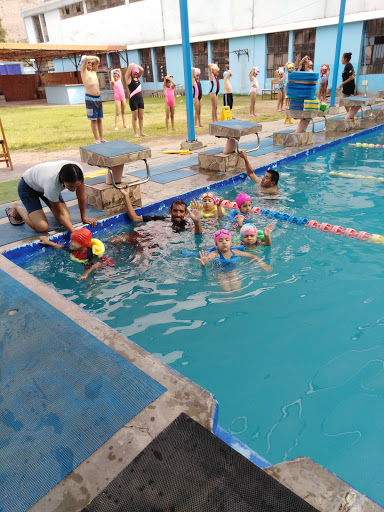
<point>295,357</point>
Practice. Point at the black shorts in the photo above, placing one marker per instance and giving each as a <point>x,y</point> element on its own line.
<point>31,197</point>
<point>228,100</point>
<point>136,102</point>
<point>349,88</point>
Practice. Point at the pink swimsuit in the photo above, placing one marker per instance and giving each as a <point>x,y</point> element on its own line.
<point>118,90</point>
<point>169,94</point>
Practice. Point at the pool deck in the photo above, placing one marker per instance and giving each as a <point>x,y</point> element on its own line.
<point>314,484</point>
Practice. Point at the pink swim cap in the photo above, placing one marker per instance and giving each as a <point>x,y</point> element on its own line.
<point>248,229</point>
<point>197,71</point>
<point>135,69</point>
<point>212,196</point>
<point>221,234</point>
<point>324,67</point>
<point>241,198</point>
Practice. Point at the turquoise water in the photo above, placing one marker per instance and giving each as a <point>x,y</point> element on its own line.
<point>295,357</point>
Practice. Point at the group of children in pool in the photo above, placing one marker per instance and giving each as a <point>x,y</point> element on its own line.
<point>90,252</point>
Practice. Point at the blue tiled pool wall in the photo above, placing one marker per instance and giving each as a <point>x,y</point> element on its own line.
<point>20,255</point>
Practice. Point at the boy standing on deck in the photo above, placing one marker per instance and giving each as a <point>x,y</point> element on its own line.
<point>93,102</point>
<point>267,184</point>
<point>228,96</point>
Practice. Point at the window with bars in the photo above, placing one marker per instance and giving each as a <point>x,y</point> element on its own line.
<point>161,64</point>
<point>146,64</point>
<point>115,60</point>
<point>69,11</point>
<point>277,51</point>
<point>44,28</point>
<point>37,27</point>
<point>304,44</point>
<point>200,58</point>
<point>220,55</point>
<point>99,5</point>
<point>374,48</point>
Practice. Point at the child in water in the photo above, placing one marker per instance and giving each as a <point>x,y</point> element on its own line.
<point>249,236</point>
<point>244,203</point>
<point>169,93</point>
<point>84,249</point>
<point>209,207</point>
<point>227,257</point>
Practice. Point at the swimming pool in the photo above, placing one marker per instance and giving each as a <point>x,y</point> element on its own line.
<point>295,358</point>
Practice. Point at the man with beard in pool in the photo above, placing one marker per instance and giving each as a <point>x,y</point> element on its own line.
<point>146,240</point>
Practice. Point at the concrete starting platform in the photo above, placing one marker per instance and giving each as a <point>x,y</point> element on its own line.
<point>345,125</point>
<point>282,138</point>
<point>231,129</point>
<point>114,155</point>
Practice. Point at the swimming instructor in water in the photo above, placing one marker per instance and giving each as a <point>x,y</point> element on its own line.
<point>45,182</point>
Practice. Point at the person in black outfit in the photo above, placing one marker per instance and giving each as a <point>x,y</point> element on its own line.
<point>348,83</point>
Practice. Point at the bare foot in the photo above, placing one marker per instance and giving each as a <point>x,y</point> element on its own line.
<point>168,131</point>
<point>137,135</point>
<point>173,129</point>
<point>143,135</point>
<point>103,140</point>
<point>201,126</point>
<point>97,141</point>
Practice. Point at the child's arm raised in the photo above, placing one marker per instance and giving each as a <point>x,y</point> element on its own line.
<point>220,212</point>
<point>267,234</point>
<point>248,167</point>
<point>248,255</point>
<point>206,258</point>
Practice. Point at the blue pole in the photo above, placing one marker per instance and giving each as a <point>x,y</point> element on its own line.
<point>337,52</point>
<point>187,68</point>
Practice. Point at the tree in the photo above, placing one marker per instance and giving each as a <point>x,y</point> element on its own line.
<point>3,33</point>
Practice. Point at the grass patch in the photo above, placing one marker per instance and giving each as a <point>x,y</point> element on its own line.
<point>66,127</point>
<point>8,191</point>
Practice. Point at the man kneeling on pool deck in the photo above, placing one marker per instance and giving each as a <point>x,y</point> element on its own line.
<point>46,182</point>
<point>267,184</point>
<point>178,221</point>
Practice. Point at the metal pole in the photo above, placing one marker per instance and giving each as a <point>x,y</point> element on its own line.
<point>337,52</point>
<point>365,59</point>
<point>187,68</point>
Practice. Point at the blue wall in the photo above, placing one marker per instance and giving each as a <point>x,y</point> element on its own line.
<point>257,46</point>
<point>325,47</point>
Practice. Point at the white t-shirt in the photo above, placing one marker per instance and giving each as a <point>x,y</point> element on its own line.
<point>45,178</point>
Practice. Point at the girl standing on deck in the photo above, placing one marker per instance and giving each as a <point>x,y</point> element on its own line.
<point>169,94</point>
<point>215,87</point>
<point>136,101</point>
<point>324,75</point>
<point>119,94</point>
<point>253,91</point>
<point>197,95</point>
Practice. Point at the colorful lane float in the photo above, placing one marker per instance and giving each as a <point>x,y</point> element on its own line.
<point>366,145</point>
<point>362,236</point>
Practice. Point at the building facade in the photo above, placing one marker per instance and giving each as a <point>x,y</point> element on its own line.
<point>237,34</point>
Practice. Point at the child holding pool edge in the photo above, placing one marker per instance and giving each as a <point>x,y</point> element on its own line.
<point>169,94</point>
<point>228,278</point>
<point>268,183</point>
<point>84,249</point>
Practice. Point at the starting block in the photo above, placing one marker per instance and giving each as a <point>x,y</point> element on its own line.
<point>113,155</point>
<point>229,129</point>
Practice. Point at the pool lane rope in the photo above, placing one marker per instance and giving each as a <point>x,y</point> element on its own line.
<point>366,145</point>
<point>362,236</point>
